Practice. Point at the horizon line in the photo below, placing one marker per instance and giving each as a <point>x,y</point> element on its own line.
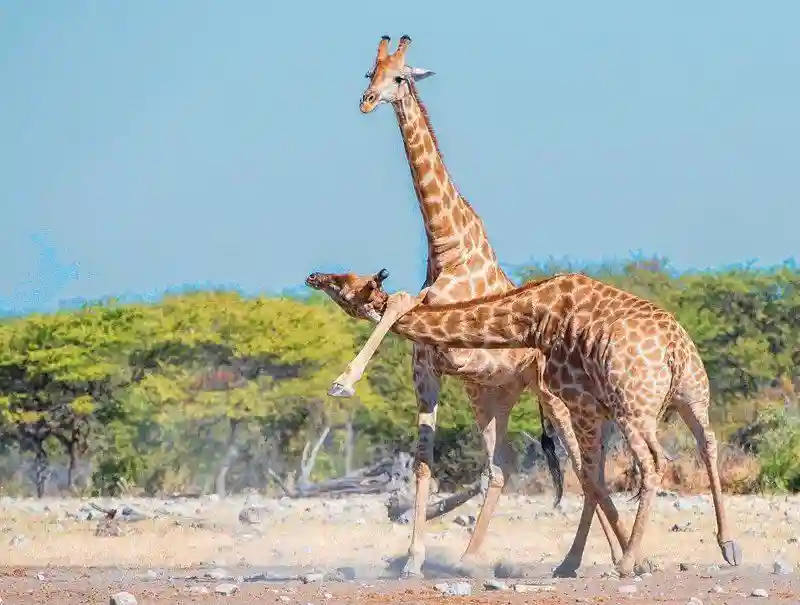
<point>299,291</point>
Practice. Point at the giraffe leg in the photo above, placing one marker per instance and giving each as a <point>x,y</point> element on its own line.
<point>491,413</point>
<point>651,479</point>
<point>427,384</point>
<point>589,449</point>
<point>695,415</point>
<point>615,545</point>
<point>592,476</point>
<point>399,304</point>
<point>344,384</point>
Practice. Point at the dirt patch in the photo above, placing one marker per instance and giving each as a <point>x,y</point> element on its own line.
<point>48,552</point>
<point>96,586</point>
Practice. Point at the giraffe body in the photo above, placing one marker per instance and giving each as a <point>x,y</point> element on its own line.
<point>461,265</point>
<point>603,352</point>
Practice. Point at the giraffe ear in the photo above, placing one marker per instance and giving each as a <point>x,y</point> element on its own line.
<point>381,276</point>
<point>417,73</point>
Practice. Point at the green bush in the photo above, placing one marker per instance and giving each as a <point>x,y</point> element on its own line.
<point>779,451</point>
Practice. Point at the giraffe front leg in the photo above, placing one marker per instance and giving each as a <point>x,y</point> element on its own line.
<point>344,384</point>
<point>427,384</point>
<point>399,304</point>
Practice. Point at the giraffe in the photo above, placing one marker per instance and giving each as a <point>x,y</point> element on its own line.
<point>605,352</point>
<point>461,264</point>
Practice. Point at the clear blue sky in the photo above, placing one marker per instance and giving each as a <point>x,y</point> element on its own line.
<point>148,145</point>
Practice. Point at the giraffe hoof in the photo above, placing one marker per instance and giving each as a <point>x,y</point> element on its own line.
<point>468,567</point>
<point>340,390</point>
<point>731,552</point>
<point>625,569</point>
<point>565,571</point>
<point>409,573</point>
<point>645,566</point>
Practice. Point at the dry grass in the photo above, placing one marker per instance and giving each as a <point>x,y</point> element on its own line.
<point>739,471</point>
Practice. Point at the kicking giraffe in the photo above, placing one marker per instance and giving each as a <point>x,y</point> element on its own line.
<point>461,265</point>
<point>603,349</point>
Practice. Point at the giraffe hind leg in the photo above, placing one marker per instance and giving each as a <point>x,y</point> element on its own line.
<point>651,439</point>
<point>593,481</point>
<point>585,448</point>
<point>695,415</point>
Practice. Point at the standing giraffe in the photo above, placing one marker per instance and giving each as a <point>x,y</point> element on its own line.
<point>605,352</point>
<point>461,265</point>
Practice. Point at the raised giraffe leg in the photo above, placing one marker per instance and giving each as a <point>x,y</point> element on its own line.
<point>695,415</point>
<point>427,384</point>
<point>492,408</point>
<point>399,304</point>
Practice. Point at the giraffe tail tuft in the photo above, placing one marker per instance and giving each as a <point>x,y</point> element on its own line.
<point>553,465</point>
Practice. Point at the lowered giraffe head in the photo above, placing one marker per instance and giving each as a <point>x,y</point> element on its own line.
<point>360,296</point>
<point>390,77</point>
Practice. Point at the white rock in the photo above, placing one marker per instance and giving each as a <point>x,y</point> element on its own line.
<point>197,590</point>
<point>226,589</point>
<point>465,520</point>
<point>492,584</point>
<point>311,578</point>
<point>218,574</point>
<point>454,589</point>
<point>122,598</point>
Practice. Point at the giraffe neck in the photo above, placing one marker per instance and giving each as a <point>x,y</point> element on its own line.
<point>536,315</point>
<point>454,230</point>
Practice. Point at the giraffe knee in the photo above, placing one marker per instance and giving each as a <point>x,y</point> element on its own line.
<point>651,478</point>
<point>496,476</point>
<point>708,451</point>
<point>653,483</point>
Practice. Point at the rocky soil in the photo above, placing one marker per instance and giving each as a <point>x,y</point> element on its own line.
<point>346,550</point>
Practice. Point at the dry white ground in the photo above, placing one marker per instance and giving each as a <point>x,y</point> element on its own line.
<point>48,547</point>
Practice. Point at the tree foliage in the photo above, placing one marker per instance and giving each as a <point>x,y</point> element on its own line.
<point>204,390</point>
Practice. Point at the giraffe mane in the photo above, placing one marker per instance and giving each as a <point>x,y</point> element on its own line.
<point>424,112</point>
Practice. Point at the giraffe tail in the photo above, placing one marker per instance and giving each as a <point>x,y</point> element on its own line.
<point>549,450</point>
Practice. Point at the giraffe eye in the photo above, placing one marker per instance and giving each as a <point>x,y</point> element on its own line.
<point>399,79</point>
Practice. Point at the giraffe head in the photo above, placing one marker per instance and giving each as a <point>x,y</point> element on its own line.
<point>359,296</point>
<point>390,77</point>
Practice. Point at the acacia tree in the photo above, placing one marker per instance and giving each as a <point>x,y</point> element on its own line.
<point>220,359</point>
<point>747,325</point>
<point>59,375</point>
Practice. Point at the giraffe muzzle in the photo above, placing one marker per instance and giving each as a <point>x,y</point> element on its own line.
<point>313,281</point>
<point>368,102</point>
